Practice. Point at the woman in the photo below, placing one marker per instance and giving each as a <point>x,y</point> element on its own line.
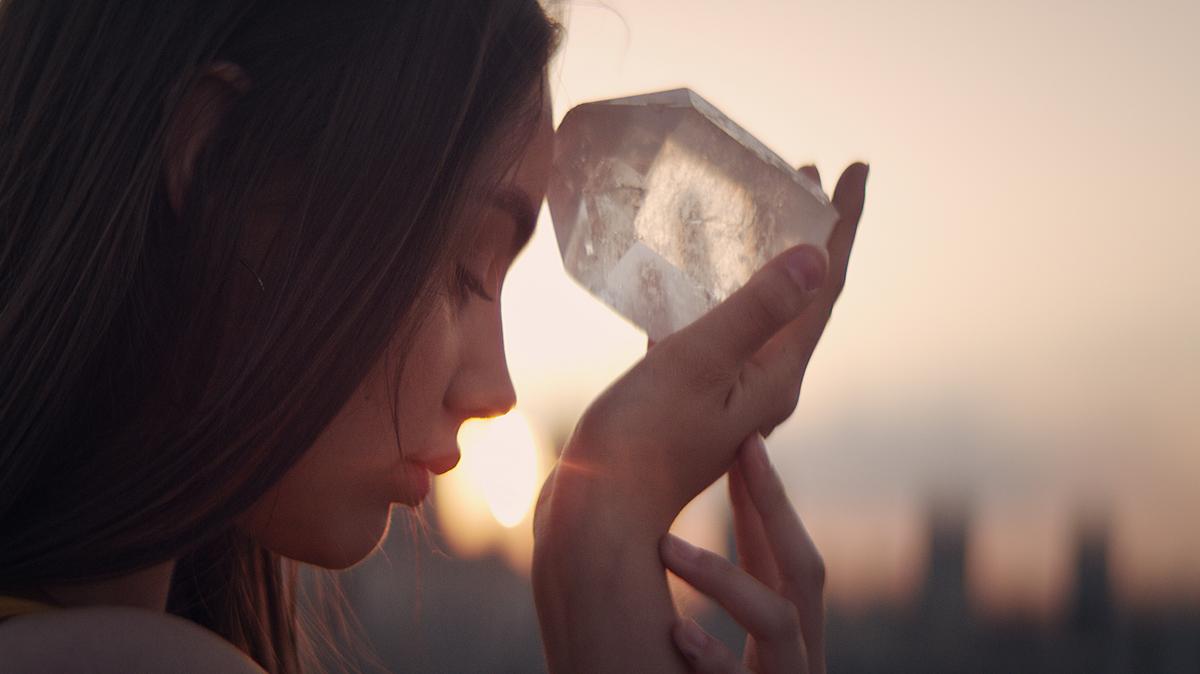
<point>251,254</point>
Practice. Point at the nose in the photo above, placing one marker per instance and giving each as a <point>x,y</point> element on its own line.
<point>483,386</point>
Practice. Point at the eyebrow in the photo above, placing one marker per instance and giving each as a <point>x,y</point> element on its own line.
<point>516,203</point>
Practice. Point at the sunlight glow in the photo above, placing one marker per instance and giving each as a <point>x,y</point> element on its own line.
<point>500,461</point>
<point>484,505</point>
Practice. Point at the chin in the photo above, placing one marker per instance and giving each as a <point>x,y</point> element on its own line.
<point>336,545</point>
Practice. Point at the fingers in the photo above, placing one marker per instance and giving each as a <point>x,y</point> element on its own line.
<point>753,550</point>
<point>801,569</point>
<point>780,365</point>
<point>775,295</point>
<point>758,323</point>
<point>770,618</point>
<point>848,198</point>
<point>705,654</point>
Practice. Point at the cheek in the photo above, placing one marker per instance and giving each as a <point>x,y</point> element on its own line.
<point>429,369</point>
<point>330,508</point>
<point>333,506</point>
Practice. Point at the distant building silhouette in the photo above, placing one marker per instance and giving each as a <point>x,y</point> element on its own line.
<point>424,611</point>
<point>944,595</point>
<point>1091,609</point>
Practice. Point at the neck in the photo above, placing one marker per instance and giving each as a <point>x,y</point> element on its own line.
<point>143,589</point>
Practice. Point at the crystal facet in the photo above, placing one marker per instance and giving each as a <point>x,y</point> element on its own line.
<point>663,206</point>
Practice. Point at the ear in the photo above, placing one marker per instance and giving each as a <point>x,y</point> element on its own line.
<point>198,115</point>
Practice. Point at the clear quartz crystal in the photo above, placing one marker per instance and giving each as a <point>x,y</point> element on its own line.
<point>663,206</point>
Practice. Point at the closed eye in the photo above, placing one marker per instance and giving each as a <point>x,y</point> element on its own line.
<point>469,283</point>
<point>515,202</point>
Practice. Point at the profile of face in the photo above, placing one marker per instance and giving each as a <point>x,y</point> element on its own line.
<point>333,507</point>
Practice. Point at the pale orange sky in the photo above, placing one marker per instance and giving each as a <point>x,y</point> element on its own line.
<point>1021,316</point>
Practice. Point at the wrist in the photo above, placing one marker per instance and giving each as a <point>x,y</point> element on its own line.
<point>599,586</point>
<point>615,485</point>
<point>582,531</point>
<point>582,502</point>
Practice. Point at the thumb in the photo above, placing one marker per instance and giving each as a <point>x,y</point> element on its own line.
<point>775,295</point>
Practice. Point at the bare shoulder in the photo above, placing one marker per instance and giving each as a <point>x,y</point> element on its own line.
<point>106,639</point>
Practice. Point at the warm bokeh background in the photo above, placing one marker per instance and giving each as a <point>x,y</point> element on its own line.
<point>996,448</point>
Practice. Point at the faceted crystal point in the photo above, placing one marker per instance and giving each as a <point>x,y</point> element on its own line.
<point>663,206</point>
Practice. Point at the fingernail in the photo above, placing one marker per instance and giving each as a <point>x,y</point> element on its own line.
<point>806,267</point>
<point>691,638</point>
<point>681,548</point>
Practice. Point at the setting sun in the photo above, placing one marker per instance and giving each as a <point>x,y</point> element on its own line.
<point>485,503</point>
<point>499,459</point>
<point>498,472</point>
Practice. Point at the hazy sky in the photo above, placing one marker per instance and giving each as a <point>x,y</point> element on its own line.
<point>1021,317</point>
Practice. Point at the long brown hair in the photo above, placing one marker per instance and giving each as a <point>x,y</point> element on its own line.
<point>157,379</point>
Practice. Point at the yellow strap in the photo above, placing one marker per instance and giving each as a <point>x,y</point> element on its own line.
<point>11,606</point>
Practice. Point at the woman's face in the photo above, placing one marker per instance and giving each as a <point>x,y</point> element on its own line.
<point>334,505</point>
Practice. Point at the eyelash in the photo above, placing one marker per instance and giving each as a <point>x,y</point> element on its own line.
<point>468,283</point>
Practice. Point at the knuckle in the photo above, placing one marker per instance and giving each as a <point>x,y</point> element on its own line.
<point>759,312</point>
<point>774,301</point>
<point>784,622</point>
<point>808,581</point>
<point>793,394</point>
<point>776,504</point>
<point>785,403</point>
<point>777,413</point>
<point>779,402</point>
<point>816,573</point>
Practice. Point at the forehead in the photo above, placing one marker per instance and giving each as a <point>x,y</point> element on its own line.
<point>516,197</point>
<point>533,163</point>
<point>520,193</point>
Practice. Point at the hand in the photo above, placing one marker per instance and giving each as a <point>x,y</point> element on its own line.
<point>658,436</point>
<point>671,425</point>
<point>776,592</point>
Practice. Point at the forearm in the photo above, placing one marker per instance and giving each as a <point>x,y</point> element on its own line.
<point>600,587</point>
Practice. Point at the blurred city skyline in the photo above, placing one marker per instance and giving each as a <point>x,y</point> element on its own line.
<point>419,604</point>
